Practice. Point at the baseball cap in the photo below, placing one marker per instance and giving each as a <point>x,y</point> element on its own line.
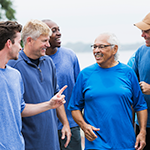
<point>144,24</point>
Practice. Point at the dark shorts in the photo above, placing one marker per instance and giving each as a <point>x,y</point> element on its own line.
<point>75,142</point>
<point>147,147</point>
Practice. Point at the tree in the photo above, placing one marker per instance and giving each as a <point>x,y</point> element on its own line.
<point>6,10</point>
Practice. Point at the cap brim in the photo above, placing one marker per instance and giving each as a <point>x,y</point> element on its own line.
<point>143,26</point>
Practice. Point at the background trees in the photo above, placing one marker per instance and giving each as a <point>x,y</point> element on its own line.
<point>6,10</point>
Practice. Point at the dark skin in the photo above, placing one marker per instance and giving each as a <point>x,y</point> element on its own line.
<point>54,39</point>
<point>54,44</point>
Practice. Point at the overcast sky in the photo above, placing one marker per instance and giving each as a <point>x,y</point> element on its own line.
<point>84,20</point>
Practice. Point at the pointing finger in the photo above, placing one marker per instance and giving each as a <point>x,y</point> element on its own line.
<point>62,90</point>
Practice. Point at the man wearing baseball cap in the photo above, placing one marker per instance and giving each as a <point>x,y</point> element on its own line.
<point>141,67</point>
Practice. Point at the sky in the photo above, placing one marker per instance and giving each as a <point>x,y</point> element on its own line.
<point>84,20</point>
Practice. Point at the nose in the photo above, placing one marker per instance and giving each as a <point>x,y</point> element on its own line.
<point>58,33</point>
<point>20,47</point>
<point>47,44</point>
<point>143,34</point>
<point>97,49</point>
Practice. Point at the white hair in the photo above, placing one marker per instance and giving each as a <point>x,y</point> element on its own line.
<point>112,39</point>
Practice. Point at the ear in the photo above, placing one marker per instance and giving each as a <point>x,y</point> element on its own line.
<point>29,39</point>
<point>115,49</point>
<point>8,43</point>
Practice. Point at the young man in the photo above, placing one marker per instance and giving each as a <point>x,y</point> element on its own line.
<point>67,70</point>
<point>12,105</point>
<point>40,83</point>
<point>141,67</point>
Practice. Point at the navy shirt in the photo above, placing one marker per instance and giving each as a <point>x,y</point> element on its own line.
<point>40,84</point>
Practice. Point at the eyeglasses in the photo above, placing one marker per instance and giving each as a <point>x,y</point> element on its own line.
<point>100,46</point>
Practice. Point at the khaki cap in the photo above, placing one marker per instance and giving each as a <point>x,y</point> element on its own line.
<point>144,24</point>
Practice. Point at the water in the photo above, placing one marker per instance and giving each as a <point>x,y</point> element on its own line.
<point>87,59</point>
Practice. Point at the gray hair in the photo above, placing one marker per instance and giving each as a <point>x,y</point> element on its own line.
<point>112,39</point>
<point>34,29</point>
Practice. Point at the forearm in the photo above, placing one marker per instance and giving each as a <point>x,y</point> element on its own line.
<point>34,109</point>
<point>87,128</point>
<point>142,119</point>
<point>78,118</point>
<point>61,114</point>
<point>140,139</point>
<point>133,115</point>
<point>55,102</point>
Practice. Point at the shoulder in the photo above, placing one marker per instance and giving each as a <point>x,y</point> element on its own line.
<point>142,49</point>
<point>13,70</point>
<point>13,63</point>
<point>48,61</point>
<point>127,70</point>
<point>125,67</point>
<point>142,53</point>
<point>47,58</point>
<point>89,70</point>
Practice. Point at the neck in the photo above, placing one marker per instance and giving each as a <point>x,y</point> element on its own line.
<point>25,49</point>
<point>51,51</point>
<point>29,53</point>
<point>109,65</point>
<point>3,59</point>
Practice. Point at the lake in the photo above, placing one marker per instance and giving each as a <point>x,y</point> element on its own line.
<point>87,58</point>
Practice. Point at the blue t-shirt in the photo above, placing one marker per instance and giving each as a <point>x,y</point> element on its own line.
<point>131,60</point>
<point>11,106</point>
<point>141,67</point>
<point>107,94</point>
<point>67,70</point>
<point>40,84</point>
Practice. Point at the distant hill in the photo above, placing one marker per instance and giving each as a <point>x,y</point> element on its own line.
<point>82,47</point>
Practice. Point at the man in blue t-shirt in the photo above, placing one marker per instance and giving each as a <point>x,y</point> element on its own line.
<point>12,105</point>
<point>67,70</point>
<point>141,67</point>
<point>106,91</point>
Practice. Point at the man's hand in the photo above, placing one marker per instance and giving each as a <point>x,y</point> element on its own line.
<point>145,87</point>
<point>58,99</point>
<point>88,131</point>
<point>140,141</point>
<point>66,132</point>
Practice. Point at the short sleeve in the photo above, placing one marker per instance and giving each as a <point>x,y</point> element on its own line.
<point>77,100</point>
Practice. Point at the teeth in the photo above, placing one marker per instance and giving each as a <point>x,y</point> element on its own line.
<point>98,54</point>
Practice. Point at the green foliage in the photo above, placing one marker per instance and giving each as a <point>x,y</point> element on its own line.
<point>21,43</point>
<point>9,12</point>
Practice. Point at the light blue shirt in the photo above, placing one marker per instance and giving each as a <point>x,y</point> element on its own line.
<point>11,106</point>
<point>67,70</point>
<point>141,67</point>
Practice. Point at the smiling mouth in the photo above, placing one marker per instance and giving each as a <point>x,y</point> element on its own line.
<point>98,55</point>
<point>58,39</point>
<point>44,49</point>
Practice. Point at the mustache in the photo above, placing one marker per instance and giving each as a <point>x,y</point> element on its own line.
<point>100,54</point>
